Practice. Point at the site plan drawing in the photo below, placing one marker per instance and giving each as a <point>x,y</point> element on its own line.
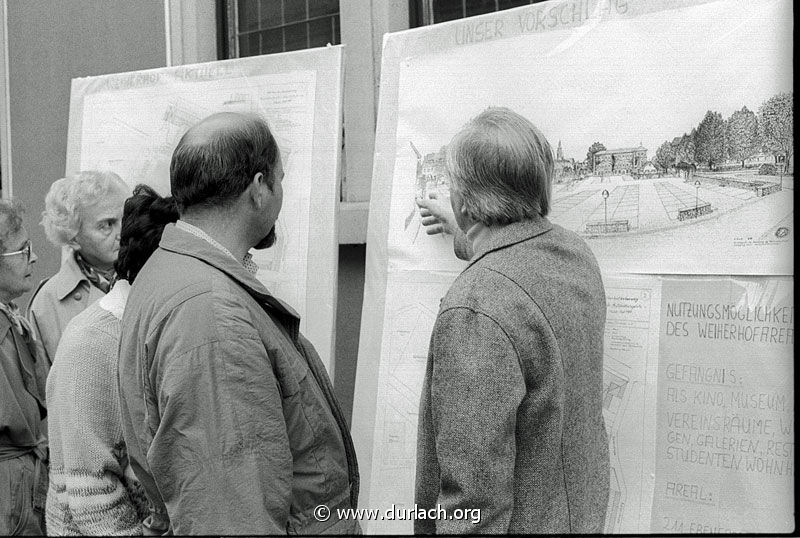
<point>297,93</point>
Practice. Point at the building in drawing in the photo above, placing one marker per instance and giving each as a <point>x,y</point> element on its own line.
<point>620,161</point>
<point>564,169</point>
<point>431,171</point>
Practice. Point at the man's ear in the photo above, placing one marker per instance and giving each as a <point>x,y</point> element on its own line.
<point>255,190</point>
<point>73,244</point>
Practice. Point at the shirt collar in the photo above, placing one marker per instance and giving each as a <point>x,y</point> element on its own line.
<point>479,234</point>
<point>247,261</point>
<point>114,301</point>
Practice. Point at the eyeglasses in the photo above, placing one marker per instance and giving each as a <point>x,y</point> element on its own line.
<point>24,250</point>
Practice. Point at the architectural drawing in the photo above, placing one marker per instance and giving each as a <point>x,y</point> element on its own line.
<point>412,309</point>
<point>149,112</point>
<point>681,183</point>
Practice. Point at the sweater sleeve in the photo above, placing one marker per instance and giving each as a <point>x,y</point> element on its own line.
<point>86,435</point>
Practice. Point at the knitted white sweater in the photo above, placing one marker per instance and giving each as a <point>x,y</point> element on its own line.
<point>92,487</point>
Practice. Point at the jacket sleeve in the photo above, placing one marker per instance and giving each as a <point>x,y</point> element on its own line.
<point>34,321</point>
<point>85,423</point>
<point>476,387</point>
<point>220,456</point>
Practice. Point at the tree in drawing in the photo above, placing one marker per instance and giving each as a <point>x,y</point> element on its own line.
<point>665,156</point>
<point>685,148</point>
<point>710,139</point>
<point>743,139</point>
<point>594,148</point>
<point>776,124</point>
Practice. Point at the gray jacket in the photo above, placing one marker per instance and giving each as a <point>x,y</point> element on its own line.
<point>511,413</point>
<point>228,414</point>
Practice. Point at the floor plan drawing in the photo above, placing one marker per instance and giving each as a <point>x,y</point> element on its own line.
<point>412,309</point>
<point>629,363</point>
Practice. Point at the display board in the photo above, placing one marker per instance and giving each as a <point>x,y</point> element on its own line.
<point>673,155</point>
<point>131,122</point>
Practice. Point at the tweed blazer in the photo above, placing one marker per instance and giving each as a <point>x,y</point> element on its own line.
<point>511,410</point>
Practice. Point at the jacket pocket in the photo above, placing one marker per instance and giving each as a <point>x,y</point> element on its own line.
<point>19,506</point>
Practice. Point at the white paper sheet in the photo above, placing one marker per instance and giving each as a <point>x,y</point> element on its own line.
<point>725,457</point>
<point>131,122</point>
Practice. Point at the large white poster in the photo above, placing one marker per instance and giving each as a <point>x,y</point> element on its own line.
<point>672,129</point>
<point>130,123</point>
<point>725,457</point>
<point>668,122</point>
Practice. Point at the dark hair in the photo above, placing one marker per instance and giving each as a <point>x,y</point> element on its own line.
<point>143,220</point>
<point>216,160</point>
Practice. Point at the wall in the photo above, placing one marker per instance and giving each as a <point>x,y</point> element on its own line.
<point>49,44</point>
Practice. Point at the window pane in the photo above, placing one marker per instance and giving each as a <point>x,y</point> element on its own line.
<point>320,32</point>
<point>322,7</point>
<point>447,10</point>
<point>271,14</point>
<point>337,31</point>
<point>478,7</point>
<point>248,15</point>
<point>294,10</point>
<point>249,45</point>
<point>295,36</point>
<point>272,41</point>
<point>506,4</point>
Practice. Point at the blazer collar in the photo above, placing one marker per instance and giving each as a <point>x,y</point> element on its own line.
<point>182,242</point>
<point>69,276</point>
<point>511,234</point>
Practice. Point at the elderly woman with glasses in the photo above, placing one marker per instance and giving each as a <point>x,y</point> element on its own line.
<point>23,446</point>
<point>82,216</point>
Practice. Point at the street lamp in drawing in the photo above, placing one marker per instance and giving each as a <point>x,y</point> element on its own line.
<point>696,198</point>
<point>605,208</point>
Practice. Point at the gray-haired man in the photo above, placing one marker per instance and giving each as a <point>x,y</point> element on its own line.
<point>511,414</point>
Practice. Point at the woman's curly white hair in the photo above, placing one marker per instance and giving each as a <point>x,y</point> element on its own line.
<point>66,198</point>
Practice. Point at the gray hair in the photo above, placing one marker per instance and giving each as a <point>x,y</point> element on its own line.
<point>10,221</point>
<point>66,198</point>
<point>502,166</point>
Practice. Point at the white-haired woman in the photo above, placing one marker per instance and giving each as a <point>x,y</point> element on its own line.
<point>82,216</point>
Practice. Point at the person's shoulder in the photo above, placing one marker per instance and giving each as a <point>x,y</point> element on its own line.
<point>186,290</point>
<point>94,320</point>
<point>168,275</point>
<point>479,286</point>
<point>94,331</point>
<point>572,240</point>
<point>43,292</point>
